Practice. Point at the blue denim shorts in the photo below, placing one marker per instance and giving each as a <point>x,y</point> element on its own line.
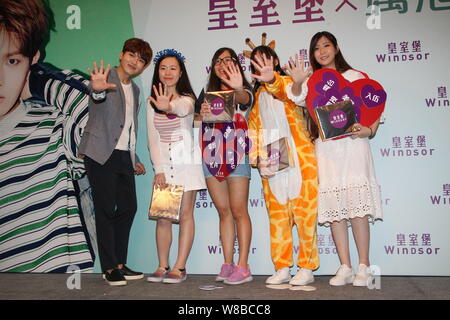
<point>242,170</point>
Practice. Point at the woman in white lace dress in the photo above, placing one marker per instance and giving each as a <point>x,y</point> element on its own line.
<point>348,191</point>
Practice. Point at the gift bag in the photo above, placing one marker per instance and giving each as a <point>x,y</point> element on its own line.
<point>335,120</point>
<point>166,203</point>
<point>222,106</point>
<point>278,155</point>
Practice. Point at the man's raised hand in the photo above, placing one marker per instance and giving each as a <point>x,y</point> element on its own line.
<point>99,77</point>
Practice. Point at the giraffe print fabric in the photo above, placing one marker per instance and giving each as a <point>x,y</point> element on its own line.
<point>286,206</point>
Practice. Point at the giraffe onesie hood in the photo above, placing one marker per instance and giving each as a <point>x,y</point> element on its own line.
<point>291,194</point>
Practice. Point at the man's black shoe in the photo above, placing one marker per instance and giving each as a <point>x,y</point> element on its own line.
<point>130,274</point>
<point>115,278</point>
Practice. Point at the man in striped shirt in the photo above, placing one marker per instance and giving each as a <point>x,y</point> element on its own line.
<point>40,224</point>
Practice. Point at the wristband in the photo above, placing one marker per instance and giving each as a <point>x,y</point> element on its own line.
<point>98,95</point>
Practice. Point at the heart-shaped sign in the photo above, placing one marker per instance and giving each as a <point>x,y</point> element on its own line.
<point>327,86</point>
<point>224,146</point>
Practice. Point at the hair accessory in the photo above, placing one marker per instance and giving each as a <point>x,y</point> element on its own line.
<point>161,54</point>
<point>252,46</point>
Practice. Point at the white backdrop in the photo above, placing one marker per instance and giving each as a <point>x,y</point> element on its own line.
<point>407,54</point>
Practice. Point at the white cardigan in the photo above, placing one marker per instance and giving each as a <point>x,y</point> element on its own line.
<point>179,161</point>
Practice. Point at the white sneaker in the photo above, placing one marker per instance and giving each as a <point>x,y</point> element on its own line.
<point>343,276</point>
<point>363,276</point>
<point>302,278</point>
<point>282,275</point>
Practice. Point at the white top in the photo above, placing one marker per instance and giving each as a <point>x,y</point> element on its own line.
<point>183,107</point>
<point>169,127</point>
<point>124,140</point>
<point>172,147</point>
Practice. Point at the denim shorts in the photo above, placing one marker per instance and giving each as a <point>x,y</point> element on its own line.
<point>242,170</point>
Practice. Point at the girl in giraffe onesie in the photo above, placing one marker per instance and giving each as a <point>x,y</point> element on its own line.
<point>290,194</point>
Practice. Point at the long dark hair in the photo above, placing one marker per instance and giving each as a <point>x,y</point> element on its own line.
<point>183,86</point>
<point>268,52</point>
<point>339,60</point>
<point>341,66</point>
<point>214,81</point>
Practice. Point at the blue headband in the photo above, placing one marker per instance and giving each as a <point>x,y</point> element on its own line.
<point>159,55</point>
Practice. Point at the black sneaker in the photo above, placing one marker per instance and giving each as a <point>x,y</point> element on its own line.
<point>130,274</point>
<point>115,278</point>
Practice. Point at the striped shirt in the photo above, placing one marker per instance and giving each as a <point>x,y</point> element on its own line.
<point>169,127</point>
<point>40,225</point>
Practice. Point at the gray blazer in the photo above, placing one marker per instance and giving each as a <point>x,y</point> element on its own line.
<point>105,123</point>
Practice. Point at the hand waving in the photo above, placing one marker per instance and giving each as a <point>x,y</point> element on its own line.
<point>296,69</point>
<point>162,101</point>
<point>234,77</point>
<point>265,68</point>
<point>99,77</point>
